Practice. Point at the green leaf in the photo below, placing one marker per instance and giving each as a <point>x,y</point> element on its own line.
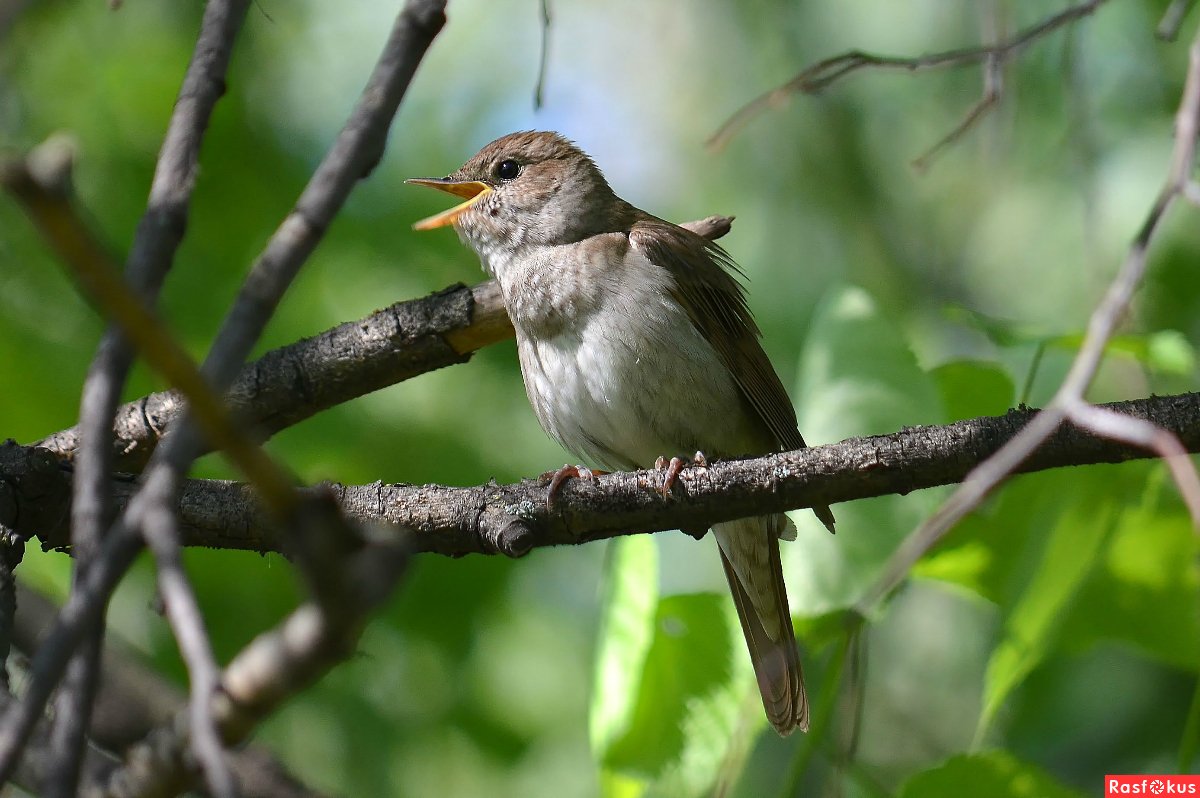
<point>1170,352</point>
<point>1031,629</point>
<point>857,377</point>
<point>626,630</point>
<point>1146,590</point>
<point>1189,742</point>
<point>1165,351</point>
<point>995,774</point>
<point>693,683</point>
<point>970,388</point>
<point>857,374</point>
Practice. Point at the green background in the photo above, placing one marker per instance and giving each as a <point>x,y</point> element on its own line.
<point>1053,637</point>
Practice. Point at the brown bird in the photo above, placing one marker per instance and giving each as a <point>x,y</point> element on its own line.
<point>635,342</point>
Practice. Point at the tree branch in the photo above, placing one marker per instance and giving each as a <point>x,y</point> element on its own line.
<point>352,156</point>
<point>513,519</point>
<point>355,577</point>
<point>158,236</point>
<point>1069,404</point>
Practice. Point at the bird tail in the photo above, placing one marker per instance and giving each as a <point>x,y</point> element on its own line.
<point>750,554</point>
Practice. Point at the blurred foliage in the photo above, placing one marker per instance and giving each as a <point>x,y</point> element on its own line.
<point>1054,636</point>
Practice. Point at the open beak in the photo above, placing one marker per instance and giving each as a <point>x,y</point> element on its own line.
<point>473,190</point>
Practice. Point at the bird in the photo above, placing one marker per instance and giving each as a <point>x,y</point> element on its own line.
<point>636,341</point>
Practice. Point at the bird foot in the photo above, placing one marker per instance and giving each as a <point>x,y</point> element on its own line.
<point>561,475</point>
<point>674,467</point>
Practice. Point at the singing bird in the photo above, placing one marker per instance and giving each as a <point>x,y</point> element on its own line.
<point>635,342</point>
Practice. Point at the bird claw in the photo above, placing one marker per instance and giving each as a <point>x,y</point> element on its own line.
<point>561,475</point>
<point>674,467</point>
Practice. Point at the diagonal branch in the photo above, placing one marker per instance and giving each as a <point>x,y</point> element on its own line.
<point>140,327</point>
<point>133,699</point>
<point>353,156</point>
<point>158,236</point>
<point>278,664</point>
<point>1069,403</point>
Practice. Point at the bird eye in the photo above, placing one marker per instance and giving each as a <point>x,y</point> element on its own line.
<point>508,169</point>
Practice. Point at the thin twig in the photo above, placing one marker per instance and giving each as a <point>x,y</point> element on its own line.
<point>277,664</point>
<point>353,155</point>
<point>543,56</point>
<point>1146,435</point>
<point>182,610</point>
<point>63,227</point>
<point>49,165</point>
<point>1172,19</point>
<point>1070,395</point>
<point>816,77</point>
<point>993,87</point>
<point>72,716</point>
<point>83,609</point>
<point>187,623</point>
<point>134,699</point>
<point>158,236</point>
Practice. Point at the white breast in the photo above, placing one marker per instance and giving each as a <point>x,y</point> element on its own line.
<point>629,378</point>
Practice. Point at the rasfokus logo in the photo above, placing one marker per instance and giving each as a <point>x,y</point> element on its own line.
<point>1151,784</point>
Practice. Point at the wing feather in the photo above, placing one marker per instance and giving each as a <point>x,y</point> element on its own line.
<point>716,304</point>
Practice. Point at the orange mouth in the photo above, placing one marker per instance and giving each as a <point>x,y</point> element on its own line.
<point>473,190</point>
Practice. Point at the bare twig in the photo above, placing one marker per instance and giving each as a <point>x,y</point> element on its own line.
<point>814,78</point>
<point>1145,435</point>
<point>543,55</point>
<point>72,711</point>
<point>39,771</point>
<point>187,623</point>
<point>158,236</point>
<point>1068,403</point>
<point>38,768</point>
<point>391,345</point>
<point>353,155</point>
<point>80,251</point>
<point>1172,19</point>
<point>66,231</point>
<point>993,87</point>
<point>275,666</point>
<point>48,169</point>
<point>134,699</point>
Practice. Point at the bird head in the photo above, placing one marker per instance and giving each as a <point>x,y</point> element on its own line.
<point>524,189</point>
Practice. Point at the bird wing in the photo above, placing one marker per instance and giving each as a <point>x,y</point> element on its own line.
<point>704,284</point>
<point>716,303</point>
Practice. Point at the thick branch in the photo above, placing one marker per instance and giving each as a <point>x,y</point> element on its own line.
<point>290,384</point>
<point>512,519</point>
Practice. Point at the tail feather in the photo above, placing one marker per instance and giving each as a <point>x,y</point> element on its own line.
<point>825,515</point>
<point>766,620</point>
